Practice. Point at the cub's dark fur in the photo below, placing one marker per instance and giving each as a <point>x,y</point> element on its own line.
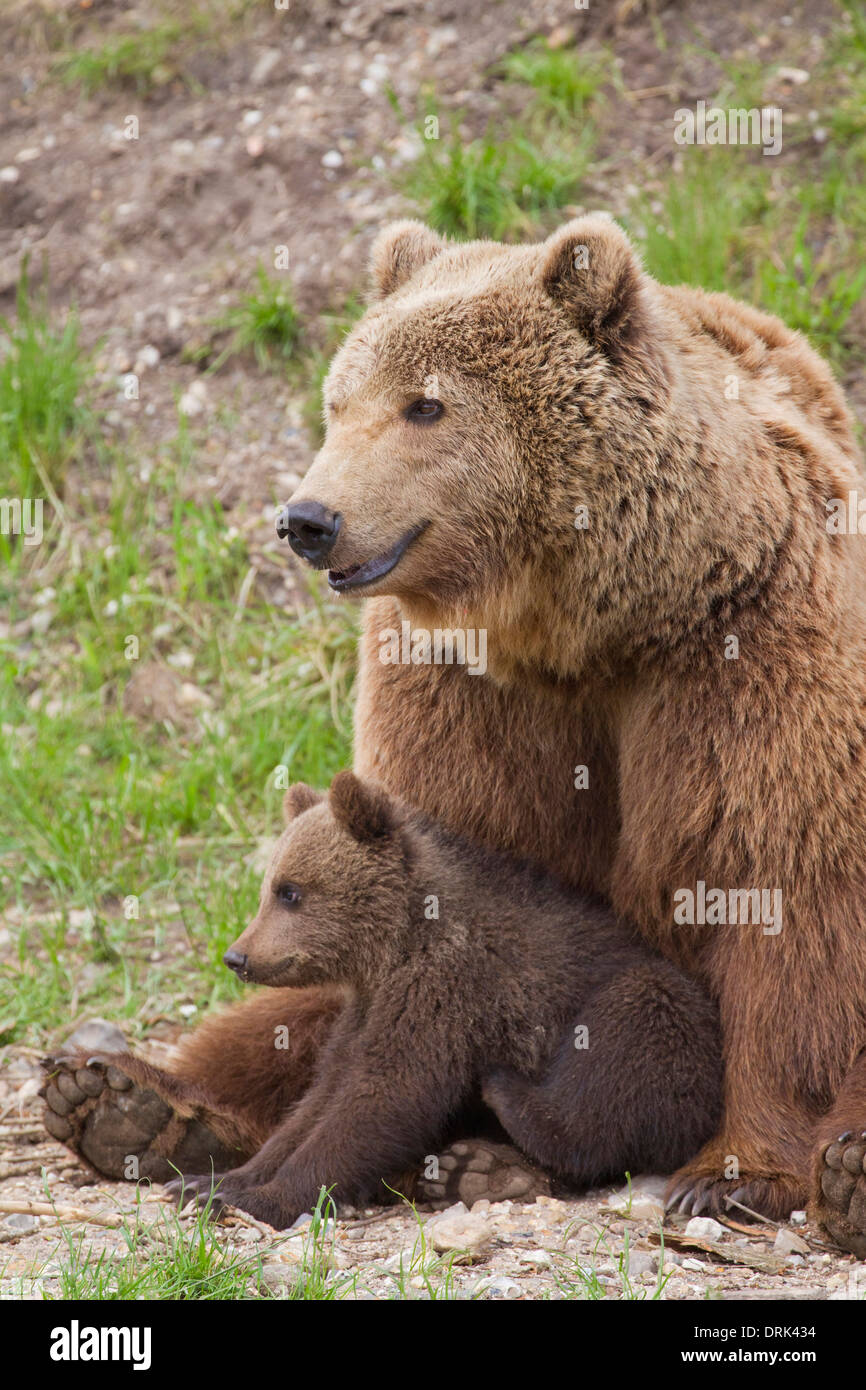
<point>464,974</point>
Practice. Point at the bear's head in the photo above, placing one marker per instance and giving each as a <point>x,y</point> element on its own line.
<point>335,891</point>
<point>490,397</point>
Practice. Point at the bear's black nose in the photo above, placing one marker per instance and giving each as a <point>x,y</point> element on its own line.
<point>311,530</point>
<point>235,961</point>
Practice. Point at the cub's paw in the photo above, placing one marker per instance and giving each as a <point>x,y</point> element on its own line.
<point>840,1206</point>
<point>704,1194</point>
<point>215,1192</point>
<point>267,1203</point>
<point>198,1189</point>
<point>122,1126</point>
<point>473,1169</point>
<point>93,1107</point>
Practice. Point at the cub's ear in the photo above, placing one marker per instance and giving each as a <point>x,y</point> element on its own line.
<point>299,798</point>
<point>590,268</point>
<point>399,250</point>
<point>360,808</point>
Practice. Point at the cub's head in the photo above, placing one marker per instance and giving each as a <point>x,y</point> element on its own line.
<point>487,392</point>
<point>336,888</point>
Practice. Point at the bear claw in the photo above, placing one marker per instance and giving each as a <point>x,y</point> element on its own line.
<point>706,1195</point>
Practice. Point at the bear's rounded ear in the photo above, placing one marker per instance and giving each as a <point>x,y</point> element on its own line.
<point>362,809</point>
<point>399,250</point>
<point>590,268</point>
<point>299,798</point>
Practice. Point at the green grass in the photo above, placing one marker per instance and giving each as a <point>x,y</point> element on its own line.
<point>318,1279</point>
<point>165,1259</point>
<point>141,61</point>
<point>491,186</point>
<point>697,237</point>
<point>158,1254</point>
<point>809,290</point>
<point>784,236</point>
<point>102,806</point>
<point>152,55</point>
<point>265,321</point>
<point>518,172</point>
<point>564,82</point>
<point>578,1279</point>
<point>44,417</point>
<point>424,1274</point>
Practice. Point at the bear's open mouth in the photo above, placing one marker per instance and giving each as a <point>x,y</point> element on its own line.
<point>357,575</point>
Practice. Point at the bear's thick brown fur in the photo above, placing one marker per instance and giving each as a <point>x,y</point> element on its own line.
<point>705,441</point>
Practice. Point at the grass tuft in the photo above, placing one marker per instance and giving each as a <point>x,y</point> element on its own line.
<point>43,410</point>
<point>142,61</point>
<point>265,320</point>
<point>564,82</point>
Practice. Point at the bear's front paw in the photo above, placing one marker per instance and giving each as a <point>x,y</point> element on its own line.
<point>268,1203</point>
<point>840,1206</point>
<point>698,1193</point>
<point>198,1189</point>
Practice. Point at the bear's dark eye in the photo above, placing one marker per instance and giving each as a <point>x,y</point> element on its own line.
<point>289,894</point>
<point>425,411</point>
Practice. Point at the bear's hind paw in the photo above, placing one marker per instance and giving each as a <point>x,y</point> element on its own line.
<point>840,1207</point>
<point>473,1169</point>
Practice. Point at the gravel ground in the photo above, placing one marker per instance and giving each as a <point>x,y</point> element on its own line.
<point>507,1250</point>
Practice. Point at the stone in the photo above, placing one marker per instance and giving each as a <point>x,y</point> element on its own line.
<point>400,1260</point>
<point>641,1207</point>
<point>264,66</point>
<point>97,1035</point>
<point>457,1229</point>
<point>704,1228</point>
<point>788,1243</point>
<point>641,1262</point>
<point>148,357</point>
<point>21,1223</point>
<point>499,1286</point>
<point>194,399</point>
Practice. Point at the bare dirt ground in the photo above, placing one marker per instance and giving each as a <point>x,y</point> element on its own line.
<point>281,134</point>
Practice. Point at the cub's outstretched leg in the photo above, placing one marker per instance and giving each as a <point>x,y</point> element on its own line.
<point>233,1081</point>
<point>637,1089</point>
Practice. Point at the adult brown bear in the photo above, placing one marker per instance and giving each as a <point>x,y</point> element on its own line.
<point>630,489</point>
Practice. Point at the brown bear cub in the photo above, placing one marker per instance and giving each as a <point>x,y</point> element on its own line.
<point>464,974</point>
